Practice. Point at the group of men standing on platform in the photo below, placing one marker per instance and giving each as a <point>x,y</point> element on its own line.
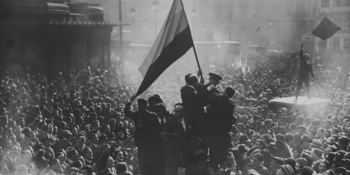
<point>193,137</point>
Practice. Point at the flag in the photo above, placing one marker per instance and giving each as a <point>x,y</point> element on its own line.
<point>173,41</point>
<point>325,29</point>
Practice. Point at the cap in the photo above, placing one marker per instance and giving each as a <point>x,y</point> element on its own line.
<point>302,161</point>
<point>243,139</point>
<point>215,76</point>
<point>278,160</point>
<point>287,169</point>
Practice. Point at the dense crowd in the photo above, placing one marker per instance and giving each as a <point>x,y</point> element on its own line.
<point>76,123</point>
<point>67,124</point>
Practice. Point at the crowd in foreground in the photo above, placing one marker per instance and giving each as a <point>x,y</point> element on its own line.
<point>78,123</point>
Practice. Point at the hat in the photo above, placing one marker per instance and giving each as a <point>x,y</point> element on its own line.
<point>306,139</point>
<point>343,140</point>
<point>317,151</point>
<point>287,169</point>
<point>278,160</point>
<point>340,170</point>
<point>242,148</point>
<point>215,76</point>
<point>297,148</point>
<point>243,139</point>
<point>74,169</point>
<point>307,170</point>
<point>316,143</point>
<point>302,161</point>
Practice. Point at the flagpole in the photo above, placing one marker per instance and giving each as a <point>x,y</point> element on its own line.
<point>194,47</point>
<point>195,54</point>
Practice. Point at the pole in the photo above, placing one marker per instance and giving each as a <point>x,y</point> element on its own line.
<point>194,47</point>
<point>121,48</point>
<point>199,66</point>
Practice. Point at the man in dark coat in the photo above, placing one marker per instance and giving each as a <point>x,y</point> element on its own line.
<point>305,71</point>
<point>220,120</point>
<point>280,148</point>
<point>214,80</point>
<point>174,139</point>
<point>146,136</point>
<point>192,104</point>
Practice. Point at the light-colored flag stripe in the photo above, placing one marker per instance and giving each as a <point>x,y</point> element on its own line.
<point>175,23</point>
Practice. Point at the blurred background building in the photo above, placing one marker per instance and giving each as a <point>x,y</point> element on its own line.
<point>336,50</point>
<point>222,29</point>
<point>53,35</point>
<point>337,47</point>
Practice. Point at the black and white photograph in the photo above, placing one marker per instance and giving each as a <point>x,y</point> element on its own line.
<point>174,87</point>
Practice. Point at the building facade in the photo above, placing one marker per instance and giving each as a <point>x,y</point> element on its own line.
<point>53,35</point>
<point>336,48</point>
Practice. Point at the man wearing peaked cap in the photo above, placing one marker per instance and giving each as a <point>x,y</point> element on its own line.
<point>214,80</point>
<point>214,76</point>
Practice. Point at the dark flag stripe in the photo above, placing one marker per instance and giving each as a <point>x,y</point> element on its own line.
<point>325,29</point>
<point>172,52</point>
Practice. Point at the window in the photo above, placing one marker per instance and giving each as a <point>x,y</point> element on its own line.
<point>336,43</point>
<point>347,44</point>
<point>322,44</point>
<point>341,3</point>
<point>325,3</point>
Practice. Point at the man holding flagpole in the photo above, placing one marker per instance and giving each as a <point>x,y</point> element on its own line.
<point>324,30</point>
<point>172,42</point>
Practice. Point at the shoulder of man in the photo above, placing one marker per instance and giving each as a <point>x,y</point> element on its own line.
<point>151,114</point>
<point>188,88</point>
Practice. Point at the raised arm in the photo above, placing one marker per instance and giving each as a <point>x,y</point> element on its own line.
<point>127,111</point>
<point>301,53</point>
<point>312,72</point>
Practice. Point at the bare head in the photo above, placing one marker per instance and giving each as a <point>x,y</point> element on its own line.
<point>307,56</point>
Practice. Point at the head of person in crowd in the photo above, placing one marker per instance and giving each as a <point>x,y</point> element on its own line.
<point>306,142</point>
<point>343,142</point>
<point>285,169</point>
<point>280,138</point>
<point>160,109</point>
<point>307,58</point>
<point>296,152</point>
<point>191,79</point>
<point>119,155</point>
<point>275,163</point>
<point>153,101</point>
<point>316,154</point>
<point>87,170</point>
<point>323,166</point>
<point>260,144</point>
<point>306,170</point>
<point>257,159</point>
<point>179,110</point>
<point>214,79</point>
<point>244,139</point>
<point>142,104</point>
<point>341,171</point>
<point>230,92</point>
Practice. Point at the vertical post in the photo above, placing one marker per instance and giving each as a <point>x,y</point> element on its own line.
<point>199,66</point>
<point>121,48</point>
<point>194,47</point>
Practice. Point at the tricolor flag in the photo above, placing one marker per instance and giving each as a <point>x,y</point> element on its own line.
<point>173,41</point>
<point>325,29</point>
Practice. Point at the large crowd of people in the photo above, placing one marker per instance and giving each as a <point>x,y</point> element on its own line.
<point>83,122</point>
